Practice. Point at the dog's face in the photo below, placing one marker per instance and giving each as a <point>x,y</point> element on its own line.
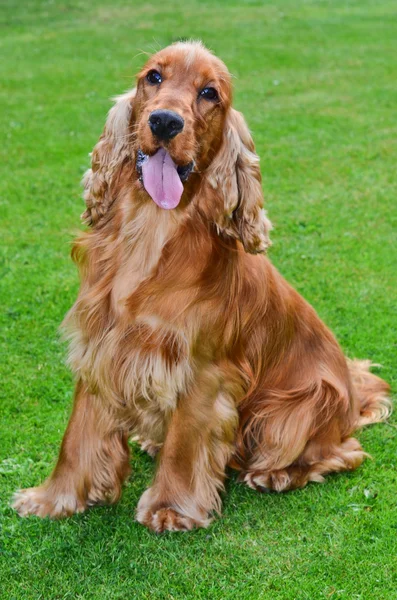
<point>182,98</point>
<point>176,139</point>
<point>183,94</point>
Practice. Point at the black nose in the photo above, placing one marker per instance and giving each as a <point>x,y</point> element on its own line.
<point>165,124</point>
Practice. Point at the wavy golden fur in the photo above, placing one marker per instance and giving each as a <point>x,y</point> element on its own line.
<point>183,333</point>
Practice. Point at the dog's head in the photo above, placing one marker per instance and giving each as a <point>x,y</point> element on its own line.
<point>183,94</point>
<point>186,144</point>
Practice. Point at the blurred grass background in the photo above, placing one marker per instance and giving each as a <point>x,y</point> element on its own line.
<point>316,80</point>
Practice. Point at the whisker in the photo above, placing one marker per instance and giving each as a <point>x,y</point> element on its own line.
<point>140,54</point>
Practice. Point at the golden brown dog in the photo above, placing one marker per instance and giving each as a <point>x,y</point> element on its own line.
<point>183,333</point>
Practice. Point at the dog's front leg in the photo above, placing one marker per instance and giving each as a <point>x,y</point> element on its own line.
<point>92,464</point>
<point>192,462</point>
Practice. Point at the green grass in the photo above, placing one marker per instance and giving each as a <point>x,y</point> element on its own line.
<point>316,81</point>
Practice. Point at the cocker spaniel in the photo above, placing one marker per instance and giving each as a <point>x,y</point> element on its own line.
<point>183,333</point>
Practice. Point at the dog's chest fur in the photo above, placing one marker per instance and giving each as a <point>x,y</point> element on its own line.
<point>138,364</point>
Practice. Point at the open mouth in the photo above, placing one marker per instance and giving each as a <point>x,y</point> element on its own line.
<point>162,178</point>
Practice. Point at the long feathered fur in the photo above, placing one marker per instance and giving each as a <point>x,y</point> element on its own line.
<point>183,333</point>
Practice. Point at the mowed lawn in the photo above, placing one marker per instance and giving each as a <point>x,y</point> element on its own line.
<point>316,81</point>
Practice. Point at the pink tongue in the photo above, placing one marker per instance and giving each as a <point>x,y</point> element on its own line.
<point>161,179</point>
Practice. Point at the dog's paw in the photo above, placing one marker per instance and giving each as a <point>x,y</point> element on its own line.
<point>166,519</point>
<point>150,447</point>
<point>152,513</point>
<point>266,481</point>
<point>282,480</point>
<point>42,502</point>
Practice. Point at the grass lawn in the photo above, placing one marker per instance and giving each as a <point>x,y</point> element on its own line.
<point>316,81</point>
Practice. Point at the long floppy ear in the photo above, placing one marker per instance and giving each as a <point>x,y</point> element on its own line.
<point>235,178</point>
<point>108,157</point>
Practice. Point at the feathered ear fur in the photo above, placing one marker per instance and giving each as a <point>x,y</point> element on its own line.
<point>235,178</point>
<point>108,157</point>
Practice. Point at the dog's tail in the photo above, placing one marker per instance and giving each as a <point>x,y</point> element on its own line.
<point>372,392</point>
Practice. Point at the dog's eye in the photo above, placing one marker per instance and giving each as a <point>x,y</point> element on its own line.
<point>209,93</point>
<point>154,77</point>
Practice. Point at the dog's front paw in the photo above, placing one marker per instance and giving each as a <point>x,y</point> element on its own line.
<point>43,502</point>
<point>152,513</point>
<point>166,519</point>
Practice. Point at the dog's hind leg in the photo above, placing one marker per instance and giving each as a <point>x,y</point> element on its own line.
<point>290,437</point>
<point>92,464</point>
<point>315,462</point>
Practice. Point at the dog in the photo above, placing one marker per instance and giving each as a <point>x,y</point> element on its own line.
<point>183,333</point>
